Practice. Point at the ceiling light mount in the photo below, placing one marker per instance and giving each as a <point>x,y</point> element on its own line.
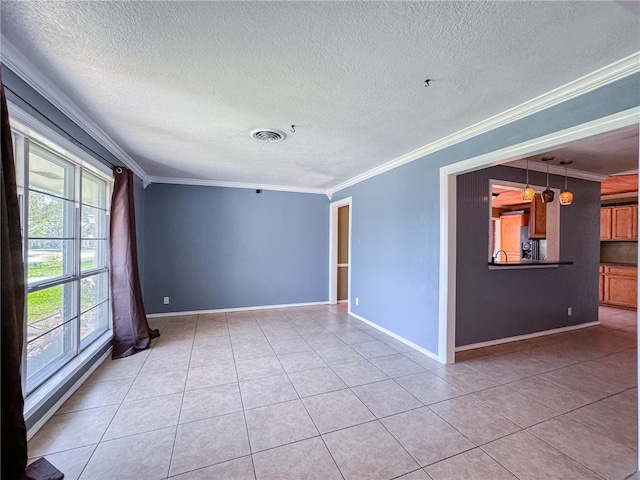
<point>268,135</point>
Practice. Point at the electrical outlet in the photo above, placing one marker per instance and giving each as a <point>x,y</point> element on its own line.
<point>569,311</point>
<point>166,300</point>
<point>357,301</point>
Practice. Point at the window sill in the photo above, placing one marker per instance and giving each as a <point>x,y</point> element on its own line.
<point>45,392</point>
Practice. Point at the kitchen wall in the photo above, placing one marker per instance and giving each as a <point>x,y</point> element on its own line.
<point>494,304</point>
<point>619,252</point>
<point>212,248</point>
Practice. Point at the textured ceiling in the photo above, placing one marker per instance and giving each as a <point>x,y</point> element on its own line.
<point>610,153</point>
<point>180,85</point>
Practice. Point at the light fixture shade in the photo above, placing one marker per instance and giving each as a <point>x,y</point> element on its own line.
<point>547,196</point>
<point>566,198</point>
<point>527,194</point>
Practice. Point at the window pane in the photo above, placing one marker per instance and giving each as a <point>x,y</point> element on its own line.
<point>93,190</point>
<point>93,254</point>
<point>46,354</point>
<point>49,308</point>
<point>49,259</point>
<point>93,290</point>
<point>94,222</point>
<point>50,216</point>
<point>49,173</point>
<point>93,323</point>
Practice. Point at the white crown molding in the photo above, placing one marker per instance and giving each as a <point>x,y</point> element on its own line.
<point>22,67</point>
<point>609,74</point>
<point>620,196</point>
<point>252,186</point>
<point>28,125</point>
<point>628,172</point>
<point>557,170</point>
<point>539,145</point>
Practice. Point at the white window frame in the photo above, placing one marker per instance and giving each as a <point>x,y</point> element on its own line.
<point>25,125</point>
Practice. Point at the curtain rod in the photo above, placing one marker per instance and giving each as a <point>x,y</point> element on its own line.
<point>64,132</point>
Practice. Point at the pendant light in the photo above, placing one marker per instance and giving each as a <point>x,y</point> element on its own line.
<point>566,197</point>
<point>547,195</point>
<point>527,194</point>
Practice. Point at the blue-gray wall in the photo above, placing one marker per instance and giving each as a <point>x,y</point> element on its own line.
<point>139,200</point>
<point>394,252</point>
<point>395,217</point>
<point>216,248</point>
<point>493,304</point>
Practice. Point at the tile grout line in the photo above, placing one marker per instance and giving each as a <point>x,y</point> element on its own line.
<point>116,413</point>
<point>244,415</point>
<point>184,389</point>
<point>566,455</point>
<point>308,414</point>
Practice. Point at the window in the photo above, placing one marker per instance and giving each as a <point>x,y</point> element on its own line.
<point>522,232</point>
<point>64,207</point>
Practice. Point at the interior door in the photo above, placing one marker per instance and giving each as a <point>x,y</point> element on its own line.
<point>343,254</point>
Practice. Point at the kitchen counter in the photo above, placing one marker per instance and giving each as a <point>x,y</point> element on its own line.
<point>525,264</point>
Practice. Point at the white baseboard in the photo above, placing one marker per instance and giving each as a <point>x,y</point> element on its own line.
<point>239,309</point>
<point>51,412</point>
<point>517,338</point>
<point>343,301</point>
<point>420,349</point>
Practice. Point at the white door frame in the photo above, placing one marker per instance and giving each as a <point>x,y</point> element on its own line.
<point>448,175</point>
<point>333,251</point>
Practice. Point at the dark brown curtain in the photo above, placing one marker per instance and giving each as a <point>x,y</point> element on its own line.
<point>14,432</point>
<point>131,332</point>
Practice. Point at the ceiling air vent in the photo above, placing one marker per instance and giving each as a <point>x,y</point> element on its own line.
<point>268,135</point>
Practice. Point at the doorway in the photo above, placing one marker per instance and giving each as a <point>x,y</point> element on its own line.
<point>340,252</point>
<point>448,199</point>
<point>448,223</point>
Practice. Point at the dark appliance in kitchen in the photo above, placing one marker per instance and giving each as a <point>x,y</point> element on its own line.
<point>531,247</point>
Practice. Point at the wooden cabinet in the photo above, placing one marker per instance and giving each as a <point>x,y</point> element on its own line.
<point>538,219</point>
<point>620,286</point>
<point>605,223</point>
<point>622,223</point>
<point>510,235</point>
<point>601,284</point>
<point>619,223</point>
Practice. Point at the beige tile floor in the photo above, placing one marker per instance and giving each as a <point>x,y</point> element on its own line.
<point>308,393</point>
